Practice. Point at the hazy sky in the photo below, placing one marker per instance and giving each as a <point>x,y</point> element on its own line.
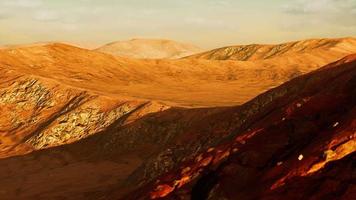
<point>207,23</point>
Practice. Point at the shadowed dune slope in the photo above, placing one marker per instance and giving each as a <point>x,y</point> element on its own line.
<point>299,145</point>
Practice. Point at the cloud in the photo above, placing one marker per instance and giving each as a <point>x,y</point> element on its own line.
<point>222,3</point>
<point>210,23</point>
<point>69,27</point>
<point>25,9</point>
<point>46,15</point>
<point>299,25</point>
<point>331,14</point>
<point>4,15</point>
<point>319,6</point>
<point>22,3</point>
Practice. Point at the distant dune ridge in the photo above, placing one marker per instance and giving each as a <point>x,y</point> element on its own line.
<point>149,48</point>
<point>261,52</point>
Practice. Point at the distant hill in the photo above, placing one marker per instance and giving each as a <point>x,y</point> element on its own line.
<point>149,48</point>
<point>262,52</point>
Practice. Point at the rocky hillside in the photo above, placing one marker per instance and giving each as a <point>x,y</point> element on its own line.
<point>261,52</point>
<point>298,143</point>
<point>149,48</point>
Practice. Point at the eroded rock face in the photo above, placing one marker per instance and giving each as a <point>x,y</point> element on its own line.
<point>26,105</point>
<point>80,123</point>
<point>27,91</point>
<point>37,114</point>
<point>24,97</point>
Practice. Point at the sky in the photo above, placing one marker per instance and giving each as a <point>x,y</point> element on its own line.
<point>206,23</point>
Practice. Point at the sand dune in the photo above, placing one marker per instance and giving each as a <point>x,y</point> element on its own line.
<point>149,48</point>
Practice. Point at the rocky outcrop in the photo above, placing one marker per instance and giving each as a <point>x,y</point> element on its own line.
<point>38,113</point>
<point>78,124</point>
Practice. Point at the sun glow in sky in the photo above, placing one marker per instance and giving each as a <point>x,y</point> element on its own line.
<point>206,23</point>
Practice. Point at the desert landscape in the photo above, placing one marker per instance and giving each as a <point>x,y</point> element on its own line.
<point>110,127</point>
<point>150,118</point>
